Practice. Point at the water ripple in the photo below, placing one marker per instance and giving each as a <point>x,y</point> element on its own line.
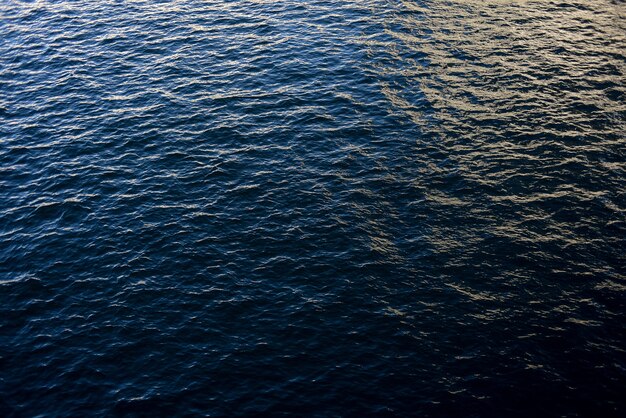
<point>383,207</point>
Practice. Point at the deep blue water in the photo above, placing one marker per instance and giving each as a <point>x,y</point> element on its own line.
<point>313,208</point>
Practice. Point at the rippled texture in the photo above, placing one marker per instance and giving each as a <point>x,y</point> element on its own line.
<point>320,208</point>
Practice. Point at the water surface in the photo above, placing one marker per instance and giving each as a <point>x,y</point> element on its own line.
<point>312,208</point>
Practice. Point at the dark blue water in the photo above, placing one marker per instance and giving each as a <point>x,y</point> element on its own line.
<point>313,208</point>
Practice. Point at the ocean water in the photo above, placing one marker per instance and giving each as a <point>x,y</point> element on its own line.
<point>313,208</point>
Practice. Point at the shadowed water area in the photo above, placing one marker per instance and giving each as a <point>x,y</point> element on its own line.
<point>313,208</point>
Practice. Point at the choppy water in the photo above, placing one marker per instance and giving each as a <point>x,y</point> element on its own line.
<point>307,207</point>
